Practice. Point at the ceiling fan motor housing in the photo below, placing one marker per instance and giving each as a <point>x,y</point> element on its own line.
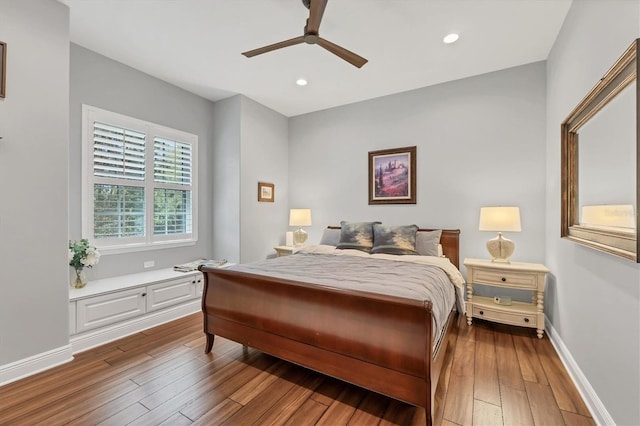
<point>311,38</point>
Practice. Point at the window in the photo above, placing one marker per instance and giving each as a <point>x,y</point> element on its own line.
<point>139,183</point>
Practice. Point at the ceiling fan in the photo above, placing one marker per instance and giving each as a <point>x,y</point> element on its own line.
<point>311,36</point>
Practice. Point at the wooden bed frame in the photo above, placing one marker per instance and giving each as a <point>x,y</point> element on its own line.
<point>384,343</point>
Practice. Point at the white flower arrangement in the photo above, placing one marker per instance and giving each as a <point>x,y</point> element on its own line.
<point>81,254</point>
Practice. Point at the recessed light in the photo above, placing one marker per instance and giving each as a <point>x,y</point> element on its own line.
<point>301,82</point>
<point>450,38</point>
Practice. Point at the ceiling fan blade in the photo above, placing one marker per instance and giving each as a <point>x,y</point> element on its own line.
<point>315,15</point>
<point>275,46</point>
<point>347,55</point>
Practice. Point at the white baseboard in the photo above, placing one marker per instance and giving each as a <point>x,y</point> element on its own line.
<point>90,339</point>
<point>34,364</point>
<point>598,411</point>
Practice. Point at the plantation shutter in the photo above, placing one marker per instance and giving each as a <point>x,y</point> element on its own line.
<point>118,152</point>
<point>119,211</point>
<point>172,161</point>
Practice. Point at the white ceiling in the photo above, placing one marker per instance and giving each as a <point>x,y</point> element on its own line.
<point>196,44</point>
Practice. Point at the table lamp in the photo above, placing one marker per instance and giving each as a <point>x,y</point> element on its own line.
<point>299,218</point>
<point>500,219</point>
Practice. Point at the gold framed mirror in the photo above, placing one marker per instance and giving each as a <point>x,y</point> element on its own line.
<point>600,158</point>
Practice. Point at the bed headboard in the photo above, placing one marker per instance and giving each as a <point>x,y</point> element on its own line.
<point>450,240</point>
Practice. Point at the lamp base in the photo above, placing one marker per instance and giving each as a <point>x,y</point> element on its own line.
<point>300,237</point>
<point>500,248</point>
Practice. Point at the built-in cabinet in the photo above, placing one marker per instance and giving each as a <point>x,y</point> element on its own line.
<point>112,308</point>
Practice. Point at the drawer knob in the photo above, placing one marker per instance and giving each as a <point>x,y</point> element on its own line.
<point>503,279</point>
<point>481,312</point>
<point>526,320</point>
<point>144,294</point>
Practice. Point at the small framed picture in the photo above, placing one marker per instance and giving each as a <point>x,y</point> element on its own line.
<point>266,192</point>
<point>392,176</point>
<point>3,67</point>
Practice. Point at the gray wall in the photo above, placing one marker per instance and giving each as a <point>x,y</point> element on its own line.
<point>594,297</point>
<point>480,141</point>
<point>34,125</point>
<point>107,84</point>
<point>264,156</point>
<point>251,146</point>
<point>226,179</point>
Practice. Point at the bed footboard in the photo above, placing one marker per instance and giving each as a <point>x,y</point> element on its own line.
<point>382,343</point>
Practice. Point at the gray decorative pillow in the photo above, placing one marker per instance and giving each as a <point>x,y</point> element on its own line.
<point>356,235</point>
<point>394,239</point>
<point>427,242</point>
<point>330,237</point>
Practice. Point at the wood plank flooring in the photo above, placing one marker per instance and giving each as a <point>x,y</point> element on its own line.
<point>496,375</point>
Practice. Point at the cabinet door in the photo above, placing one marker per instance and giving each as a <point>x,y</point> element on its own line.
<point>110,308</point>
<point>199,285</point>
<point>174,292</point>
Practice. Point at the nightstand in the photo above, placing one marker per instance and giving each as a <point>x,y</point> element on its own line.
<point>522,276</point>
<point>286,250</point>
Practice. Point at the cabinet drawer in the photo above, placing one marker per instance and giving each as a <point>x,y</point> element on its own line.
<point>513,318</point>
<point>108,309</point>
<point>171,293</point>
<point>505,279</point>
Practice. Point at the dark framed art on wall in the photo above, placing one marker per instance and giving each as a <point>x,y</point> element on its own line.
<point>392,176</point>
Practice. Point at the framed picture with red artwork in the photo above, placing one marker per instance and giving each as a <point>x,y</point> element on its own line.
<point>392,176</point>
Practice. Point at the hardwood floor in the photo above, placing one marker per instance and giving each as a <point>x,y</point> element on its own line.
<point>497,375</point>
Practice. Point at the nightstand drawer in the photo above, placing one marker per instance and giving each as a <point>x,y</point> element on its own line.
<point>512,318</point>
<point>505,278</point>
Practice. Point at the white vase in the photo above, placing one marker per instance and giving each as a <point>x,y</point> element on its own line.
<point>79,279</point>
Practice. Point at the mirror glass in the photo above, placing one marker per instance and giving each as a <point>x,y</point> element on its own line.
<point>607,166</point>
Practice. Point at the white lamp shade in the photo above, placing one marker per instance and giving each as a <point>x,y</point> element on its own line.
<point>300,217</point>
<point>500,219</point>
